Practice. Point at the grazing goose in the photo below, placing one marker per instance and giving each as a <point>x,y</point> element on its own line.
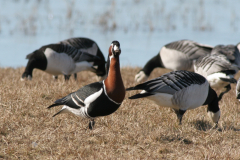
<point>67,57</point>
<point>99,98</point>
<point>238,89</point>
<point>217,70</point>
<point>181,91</point>
<point>178,55</point>
<point>230,51</point>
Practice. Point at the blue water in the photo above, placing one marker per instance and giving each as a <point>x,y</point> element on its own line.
<point>142,27</point>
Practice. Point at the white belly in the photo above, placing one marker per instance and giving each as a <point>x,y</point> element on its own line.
<point>163,99</point>
<point>175,60</point>
<point>83,66</point>
<point>58,63</point>
<point>215,81</point>
<point>185,99</point>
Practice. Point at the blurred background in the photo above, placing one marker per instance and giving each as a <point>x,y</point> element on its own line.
<point>142,27</point>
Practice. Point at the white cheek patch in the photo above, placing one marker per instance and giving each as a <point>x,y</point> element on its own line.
<point>116,48</point>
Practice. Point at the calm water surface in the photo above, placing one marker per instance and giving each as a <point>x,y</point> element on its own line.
<point>142,27</point>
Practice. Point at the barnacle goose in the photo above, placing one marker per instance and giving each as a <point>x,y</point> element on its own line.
<point>181,91</point>
<point>67,57</point>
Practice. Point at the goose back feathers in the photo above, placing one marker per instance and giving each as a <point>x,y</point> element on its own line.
<point>210,64</point>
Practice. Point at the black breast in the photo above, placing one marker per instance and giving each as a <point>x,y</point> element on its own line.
<point>102,106</point>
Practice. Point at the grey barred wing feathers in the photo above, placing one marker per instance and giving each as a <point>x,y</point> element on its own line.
<point>78,43</point>
<point>227,50</point>
<point>210,64</point>
<point>190,48</point>
<point>230,51</point>
<point>217,69</point>
<point>75,54</point>
<point>171,82</point>
<point>86,46</point>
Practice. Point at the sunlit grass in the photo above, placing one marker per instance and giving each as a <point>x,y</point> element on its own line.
<point>139,129</point>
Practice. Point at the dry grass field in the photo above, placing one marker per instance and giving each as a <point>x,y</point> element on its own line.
<point>139,129</point>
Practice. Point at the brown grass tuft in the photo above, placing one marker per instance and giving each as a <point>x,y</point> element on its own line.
<point>138,130</point>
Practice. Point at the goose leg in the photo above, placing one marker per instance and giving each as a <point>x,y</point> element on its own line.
<point>75,76</point>
<point>179,114</point>
<point>228,88</point>
<point>91,124</point>
<point>66,77</point>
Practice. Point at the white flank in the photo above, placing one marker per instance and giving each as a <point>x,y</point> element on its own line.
<point>93,97</point>
<point>162,99</point>
<point>83,66</point>
<point>191,97</point>
<point>214,116</point>
<point>175,60</point>
<point>78,112</point>
<point>141,77</point>
<point>66,109</point>
<point>58,63</point>
<point>215,81</point>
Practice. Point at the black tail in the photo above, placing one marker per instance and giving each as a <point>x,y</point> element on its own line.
<point>140,95</point>
<point>232,80</point>
<point>56,103</point>
<point>53,105</point>
<point>130,88</point>
<point>138,87</point>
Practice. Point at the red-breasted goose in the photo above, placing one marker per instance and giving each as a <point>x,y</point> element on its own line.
<point>99,98</point>
<point>181,91</point>
<point>217,69</point>
<point>178,55</point>
<point>67,57</point>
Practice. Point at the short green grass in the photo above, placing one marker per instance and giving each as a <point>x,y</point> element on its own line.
<point>139,129</point>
